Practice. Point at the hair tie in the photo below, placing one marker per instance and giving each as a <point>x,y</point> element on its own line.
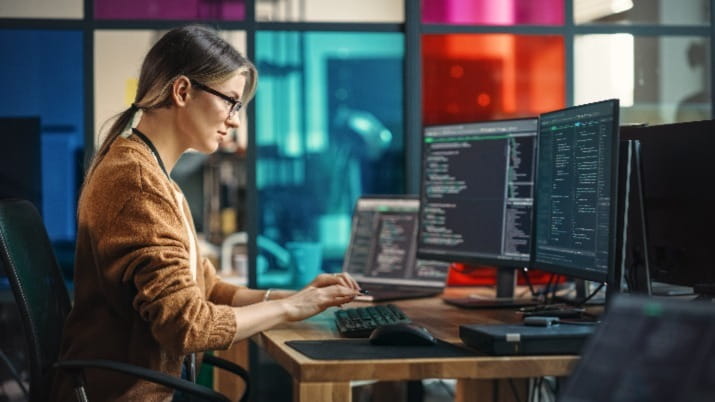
<point>137,114</point>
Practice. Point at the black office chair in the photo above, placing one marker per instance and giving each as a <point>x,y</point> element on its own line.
<point>42,298</point>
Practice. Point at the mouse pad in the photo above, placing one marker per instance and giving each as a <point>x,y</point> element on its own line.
<point>362,349</point>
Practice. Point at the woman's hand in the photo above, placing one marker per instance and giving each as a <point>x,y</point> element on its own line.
<point>342,278</point>
<point>314,299</point>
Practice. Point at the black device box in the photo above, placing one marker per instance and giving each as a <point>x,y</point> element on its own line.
<point>518,339</point>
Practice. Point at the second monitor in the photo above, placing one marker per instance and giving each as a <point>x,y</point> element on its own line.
<point>575,210</point>
<point>477,192</point>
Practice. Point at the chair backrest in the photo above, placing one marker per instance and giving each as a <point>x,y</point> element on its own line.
<point>36,280</point>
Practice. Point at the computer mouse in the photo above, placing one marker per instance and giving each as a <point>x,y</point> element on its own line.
<point>402,335</point>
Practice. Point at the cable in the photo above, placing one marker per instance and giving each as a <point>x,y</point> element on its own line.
<point>594,293</point>
<point>525,273</point>
<point>552,277</point>
<point>537,394</point>
<point>14,373</point>
<point>589,297</point>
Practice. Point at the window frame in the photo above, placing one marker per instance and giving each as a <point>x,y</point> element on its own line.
<point>412,28</point>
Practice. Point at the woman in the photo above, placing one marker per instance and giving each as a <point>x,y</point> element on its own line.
<point>143,295</point>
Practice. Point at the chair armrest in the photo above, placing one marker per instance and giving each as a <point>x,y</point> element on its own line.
<point>144,373</point>
<point>233,368</point>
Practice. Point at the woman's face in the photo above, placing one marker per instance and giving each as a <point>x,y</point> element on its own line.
<point>209,122</point>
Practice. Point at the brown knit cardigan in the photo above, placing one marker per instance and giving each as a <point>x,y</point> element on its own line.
<point>135,300</point>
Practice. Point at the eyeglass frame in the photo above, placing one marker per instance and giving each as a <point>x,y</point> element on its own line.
<point>236,104</point>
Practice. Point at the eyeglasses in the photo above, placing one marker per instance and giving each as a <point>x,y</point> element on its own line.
<point>233,102</point>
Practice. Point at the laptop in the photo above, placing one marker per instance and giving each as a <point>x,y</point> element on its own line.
<point>648,349</point>
<point>381,255</point>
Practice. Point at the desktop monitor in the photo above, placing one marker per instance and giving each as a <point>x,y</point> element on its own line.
<point>678,199</point>
<point>574,231</point>
<point>476,194</point>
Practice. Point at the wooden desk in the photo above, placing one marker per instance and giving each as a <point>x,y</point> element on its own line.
<point>329,380</point>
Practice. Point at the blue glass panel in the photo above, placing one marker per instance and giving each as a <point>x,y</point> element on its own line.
<point>42,75</point>
<point>329,128</point>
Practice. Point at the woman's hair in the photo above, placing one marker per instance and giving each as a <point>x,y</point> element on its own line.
<point>194,51</point>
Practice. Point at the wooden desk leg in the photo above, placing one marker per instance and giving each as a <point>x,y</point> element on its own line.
<point>491,390</point>
<point>321,391</point>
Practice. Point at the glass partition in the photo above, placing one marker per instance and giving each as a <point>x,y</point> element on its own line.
<point>329,127</point>
<point>228,10</point>
<point>658,79</point>
<point>661,12</point>
<point>331,10</point>
<point>493,12</point>
<point>49,84</point>
<point>118,55</point>
<point>473,77</point>
<point>54,9</point>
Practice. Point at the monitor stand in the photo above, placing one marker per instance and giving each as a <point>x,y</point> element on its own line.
<point>505,284</point>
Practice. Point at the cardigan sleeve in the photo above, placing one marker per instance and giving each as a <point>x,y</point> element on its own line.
<point>145,245</point>
<point>219,292</point>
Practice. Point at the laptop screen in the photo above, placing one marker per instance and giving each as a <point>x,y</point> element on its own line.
<point>382,247</point>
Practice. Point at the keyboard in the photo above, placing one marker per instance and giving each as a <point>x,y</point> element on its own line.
<point>359,322</point>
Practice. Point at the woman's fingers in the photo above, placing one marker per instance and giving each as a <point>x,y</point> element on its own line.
<point>340,294</point>
<point>312,300</point>
<point>346,280</point>
<point>343,279</point>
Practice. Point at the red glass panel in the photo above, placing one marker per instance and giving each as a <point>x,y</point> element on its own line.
<point>474,77</point>
<point>493,12</point>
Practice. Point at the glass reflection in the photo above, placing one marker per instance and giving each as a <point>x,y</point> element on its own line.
<point>665,12</point>
<point>329,128</point>
<point>658,79</point>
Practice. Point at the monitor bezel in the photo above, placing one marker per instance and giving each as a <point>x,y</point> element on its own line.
<point>610,275</point>
<point>449,256</point>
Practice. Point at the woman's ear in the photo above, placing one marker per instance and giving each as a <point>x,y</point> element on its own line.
<point>180,90</point>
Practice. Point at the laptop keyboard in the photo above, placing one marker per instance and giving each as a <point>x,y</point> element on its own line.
<point>359,322</point>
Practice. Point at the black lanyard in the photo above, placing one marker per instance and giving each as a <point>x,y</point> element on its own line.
<point>153,149</point>
<point>190,360</point>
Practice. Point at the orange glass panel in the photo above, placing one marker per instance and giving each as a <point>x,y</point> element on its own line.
<point>474,77</point>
